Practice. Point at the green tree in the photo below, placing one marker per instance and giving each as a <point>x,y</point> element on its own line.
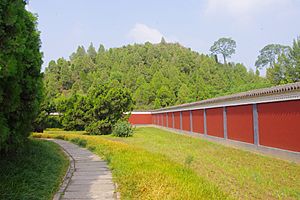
<point>153,73</point>
<point>163,41</point>
<point>20,77</point>
<point>74,114</point>
<point>164,98</point>
<point>224,46</point>
<point>287,67</point>
<point>92,52</point>
<point>268,55</point>
<point>184,94</point>
<point>108,105</point>
<point>101,49</point>
<point>79,53</point>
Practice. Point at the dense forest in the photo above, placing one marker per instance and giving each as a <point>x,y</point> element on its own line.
<point>157,75</point>
<point>151,76</point>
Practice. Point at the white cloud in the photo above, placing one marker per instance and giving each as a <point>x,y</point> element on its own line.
<point>141,33</point>
<point>244,8</point>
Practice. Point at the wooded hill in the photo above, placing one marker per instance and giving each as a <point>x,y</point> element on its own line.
<point>157,75</point>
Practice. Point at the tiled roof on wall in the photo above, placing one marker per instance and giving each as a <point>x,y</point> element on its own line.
<point>281,91</point>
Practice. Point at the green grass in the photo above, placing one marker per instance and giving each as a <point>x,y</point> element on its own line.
<point>34,173</point>
<point>157,164</point>
<point>242,174</point>
<point>144,175</point>
<point>61,131</point>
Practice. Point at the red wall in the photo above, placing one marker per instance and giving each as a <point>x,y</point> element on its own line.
<point>140,119</point>
<point>177,120</point>
<point>240,123</point>
<point>214,120</point>
<point>170,121</point>
<point>186,121</point>
<point>279,125</point>
<point>160,120</point>
<point>164,119</point>
<point>198,121</point>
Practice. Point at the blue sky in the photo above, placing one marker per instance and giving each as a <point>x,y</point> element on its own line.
<point>65,24</point>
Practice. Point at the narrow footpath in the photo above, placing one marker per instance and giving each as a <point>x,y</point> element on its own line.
<point>88,176</point>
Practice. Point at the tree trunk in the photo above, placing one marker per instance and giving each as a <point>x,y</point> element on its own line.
<point>224,59</point>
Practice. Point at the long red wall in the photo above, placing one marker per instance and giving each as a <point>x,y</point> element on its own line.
<point>164,119</point>
<point>186,121</point>
<point>177,120</point>
<point>279,125</point>
<point>136,119</point>
<point>170,120</point>
<point>214,120</point>
<point>240,123</point>
<point>198,121</point>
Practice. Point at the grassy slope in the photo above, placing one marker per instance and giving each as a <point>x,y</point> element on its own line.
<point>34,173</point>
<point>144,175</point>
<point>242,174</point>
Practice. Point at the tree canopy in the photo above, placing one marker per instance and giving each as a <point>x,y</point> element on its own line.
<point>225,47</point>
<point>268,55</point>
<point>20,78</point>
<point>287,67</point>
<point>157,75</point>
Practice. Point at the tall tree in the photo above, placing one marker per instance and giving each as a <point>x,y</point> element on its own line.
<point>268,55</point>
<point>163,40</point>
<point>224,46</point>
<point>79,53</point>
<point>101,49</point>
<point>287,67</point>
<point>20,77</point>
<point>92,52</point>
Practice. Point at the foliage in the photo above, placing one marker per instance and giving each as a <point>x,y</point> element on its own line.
<point>141,174</point>
<point>224,46</point>
<point>287,67</point>
<point>74,110</point>
<point>40,123</point>
<point>123,129</point>
<point>78,141</point>
<point>269,55</point>
<point>20,77</point>
<point>34,173</point>
<point>157,75</point>
<point>107,105</point>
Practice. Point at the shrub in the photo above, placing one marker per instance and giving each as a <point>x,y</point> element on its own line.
<point>60,137</point>
<point>123,129</point>
<point>79,141</point>
<point>102,127</point>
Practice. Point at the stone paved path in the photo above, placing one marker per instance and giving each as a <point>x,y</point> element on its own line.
<point>91,178</point>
